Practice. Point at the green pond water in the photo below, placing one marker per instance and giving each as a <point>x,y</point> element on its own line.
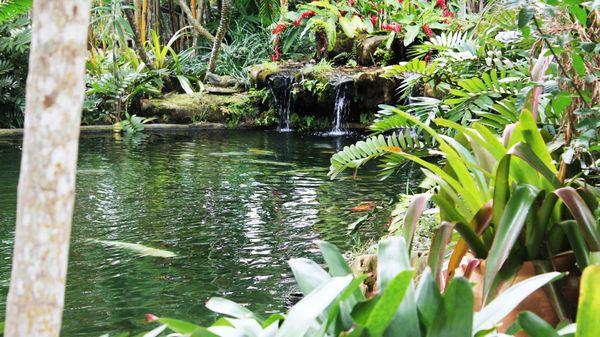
<point>233,205</point>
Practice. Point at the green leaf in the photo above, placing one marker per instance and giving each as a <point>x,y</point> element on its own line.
<point>302,316</point>
<point>441,237</point>
<point>413,214</point>
<point>588,311</point>
<point>229,308</point>
<point>582,214</point>
<point>509,299</point>
<point>501,188</point>
<point>525,15</point>
<point>578,64</point>
<point>455,317</point>
<point>178,326</point>
<point>428,297</point>
<point>308,274</point>
<point>577,242</point>
<point>385,309</point>
<point>535,326</point>
<point>511,224</point>
<point>561,101</point>
<point>334,259</point>
<point>580,13</point>
<point>524,151</point>
<point>411,33</point>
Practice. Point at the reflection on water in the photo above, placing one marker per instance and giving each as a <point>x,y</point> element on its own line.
<point>233,205</point>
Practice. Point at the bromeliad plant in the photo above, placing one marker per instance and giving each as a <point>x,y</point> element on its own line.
<point>333,304</point>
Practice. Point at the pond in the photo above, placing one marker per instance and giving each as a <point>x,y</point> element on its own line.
<point>233,205</point>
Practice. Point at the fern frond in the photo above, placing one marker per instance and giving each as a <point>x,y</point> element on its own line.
<point>356,155</point>
<point>11,8</point>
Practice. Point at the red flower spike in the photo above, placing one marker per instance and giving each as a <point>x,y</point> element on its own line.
<point>441,3</point>
<point>427,30</point>
<point>297,22</point>
<point>374,20</point>
<point>151,318</point>
<point>278,29</point>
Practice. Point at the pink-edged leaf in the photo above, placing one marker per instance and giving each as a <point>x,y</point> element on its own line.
<point>582,214</point>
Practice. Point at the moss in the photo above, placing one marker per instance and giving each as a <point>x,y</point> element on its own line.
<point>260,72</point>
<point>242,108</point>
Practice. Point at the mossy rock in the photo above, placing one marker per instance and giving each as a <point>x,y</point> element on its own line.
<point>259,73</point>
<point>190,108</point>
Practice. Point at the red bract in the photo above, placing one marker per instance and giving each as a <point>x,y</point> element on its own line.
<point>400,1</point>
<point>151,318</point>
<point>297,22</point>
<point>396,27</point>
<point>426,58</point>
<point>427,30</point>
<point>441,3</point>
<point>448,13</point>
<point>308,14</point>
<point>278,29</point>
<point>374,20</point>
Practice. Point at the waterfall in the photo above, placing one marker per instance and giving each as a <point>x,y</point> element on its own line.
<point>343,93</point>
<point>281,89</point>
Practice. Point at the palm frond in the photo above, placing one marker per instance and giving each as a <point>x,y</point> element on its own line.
<point>356,155</point>
<point>11,8</point>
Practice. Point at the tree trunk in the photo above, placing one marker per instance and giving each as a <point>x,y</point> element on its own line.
<point>194,8</point>
<point>144,17</point>
<point>195,23</point>
<point>55,92</point>
<point>223,26</point>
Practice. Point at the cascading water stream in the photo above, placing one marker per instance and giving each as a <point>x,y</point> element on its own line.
<point>343,93</point>
<point>281,89</point>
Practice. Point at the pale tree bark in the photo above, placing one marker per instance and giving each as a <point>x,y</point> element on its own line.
<point>223,27</point>
<point>55,92</point>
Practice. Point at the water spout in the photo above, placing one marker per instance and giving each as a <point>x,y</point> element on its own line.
<point>281,89</point>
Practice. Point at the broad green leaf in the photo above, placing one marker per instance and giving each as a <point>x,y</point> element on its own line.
<point>588,313</point>
<point>392,259</point>
<point>411,33</point>
<point>437,251</point>
<point>455,317</point>
<point>535,326</point>
<point>308,274</point>
<point>580,13</point>
<point>525,152</point>
<point>386,307</point>
<point>578,64</point>
<point>511,224</point>
<point>525,15</point>
<point>428,297</point>
<point>334,259</point>
<point>501,188</point>
<point>413,214</point>
<point>577,242</point>
<point>509,299</point>
<point>178,326</point>
<point>582,214</point>
<point>137,248</point>
<point>226,307</point>
<point>203,332</point>
<point>302,316</point>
